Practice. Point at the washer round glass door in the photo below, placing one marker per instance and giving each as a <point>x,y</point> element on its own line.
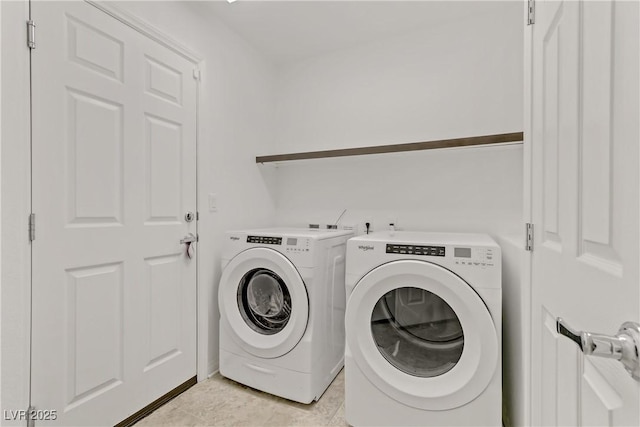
<point>421,335</point>
<point>263,302</point>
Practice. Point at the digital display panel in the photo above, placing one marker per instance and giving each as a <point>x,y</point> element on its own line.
<point>292,241</point>
<point>462,252</point>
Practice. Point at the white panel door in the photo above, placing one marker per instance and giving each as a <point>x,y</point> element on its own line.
<point>114,134</point>
<point>585,188</point>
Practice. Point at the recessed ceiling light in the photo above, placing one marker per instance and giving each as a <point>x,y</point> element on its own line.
<point>231,1</point>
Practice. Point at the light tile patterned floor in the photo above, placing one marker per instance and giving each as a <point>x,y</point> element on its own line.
<point>222,402</point>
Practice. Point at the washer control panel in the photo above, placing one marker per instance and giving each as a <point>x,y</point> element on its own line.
<point>297,244</point>
<point>264,240</point>
<point>416,250</point>
<point>477,257</point>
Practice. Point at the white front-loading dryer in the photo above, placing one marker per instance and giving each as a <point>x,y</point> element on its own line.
<point>282,301</point>
<point>423,330</point>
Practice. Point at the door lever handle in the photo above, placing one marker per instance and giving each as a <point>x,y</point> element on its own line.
<point>189,238</point>
<point>624,346</point>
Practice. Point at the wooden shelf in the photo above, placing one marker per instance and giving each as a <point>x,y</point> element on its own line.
<point>396,148</point>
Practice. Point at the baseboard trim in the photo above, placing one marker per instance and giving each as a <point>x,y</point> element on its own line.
<point>129,421</point>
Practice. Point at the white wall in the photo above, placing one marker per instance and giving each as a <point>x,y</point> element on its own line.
<point>465,190</point>
<point>236,122</point>
<point>460,79</point>
<point>463,78</point>
<point>515,344</point>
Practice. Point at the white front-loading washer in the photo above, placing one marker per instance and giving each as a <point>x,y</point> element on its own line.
<point>423,330</point>
<point>282,305</point>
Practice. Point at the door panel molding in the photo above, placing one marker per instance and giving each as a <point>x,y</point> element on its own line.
<point>149,31</point>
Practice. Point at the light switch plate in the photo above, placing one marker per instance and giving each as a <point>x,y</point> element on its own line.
<point>213,202</point>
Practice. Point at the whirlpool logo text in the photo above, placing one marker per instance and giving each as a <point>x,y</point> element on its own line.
<point>365,248</point>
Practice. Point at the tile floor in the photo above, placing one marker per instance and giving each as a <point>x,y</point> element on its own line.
<point>222,402</point>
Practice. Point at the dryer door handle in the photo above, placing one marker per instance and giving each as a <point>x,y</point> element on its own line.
<point>623,346</point>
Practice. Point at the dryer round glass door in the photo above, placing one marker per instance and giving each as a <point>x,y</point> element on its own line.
<point>417,332</point>
<point>263,302</point>
<point>422,335</point>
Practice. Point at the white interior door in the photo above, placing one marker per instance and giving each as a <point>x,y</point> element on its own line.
<point>585,187</point>
<point>114,142</point>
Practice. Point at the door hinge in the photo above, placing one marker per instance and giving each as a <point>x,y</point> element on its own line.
<point>197,216</point>
<point>529,237</point>
<point>31,34</point>
<point>531,12</point>
<point>196,74</point>
<point>31,421</point>
<point>32,227</point>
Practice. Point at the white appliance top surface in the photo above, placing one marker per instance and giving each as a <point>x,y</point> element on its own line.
<point>295,232</point>
<point>420,237</point>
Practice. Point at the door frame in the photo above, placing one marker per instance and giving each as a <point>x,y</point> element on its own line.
<point>15,169</point>
<point>527,202</point>
<point>15,206</point>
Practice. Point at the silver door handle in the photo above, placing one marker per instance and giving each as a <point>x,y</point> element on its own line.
<point>189,238</point>
<point>624,346</point>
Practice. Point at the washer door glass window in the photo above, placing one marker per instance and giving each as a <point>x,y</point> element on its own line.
<point>264,301</point>
<point>417,332</point>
